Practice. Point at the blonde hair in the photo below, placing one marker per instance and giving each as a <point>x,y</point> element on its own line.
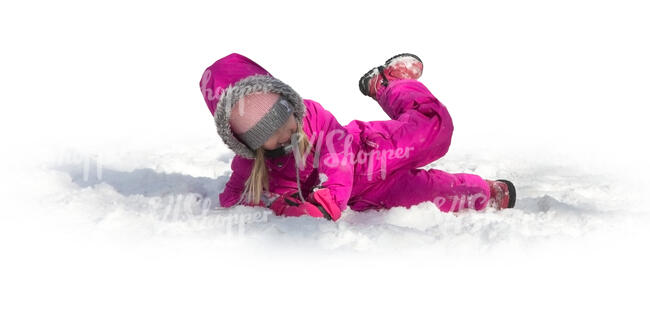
<point>258,181</point>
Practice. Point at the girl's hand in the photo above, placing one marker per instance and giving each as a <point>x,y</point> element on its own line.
<point>282,202</point>
<point>318,204</point>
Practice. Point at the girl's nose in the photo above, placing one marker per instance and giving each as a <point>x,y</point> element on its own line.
<point>286,139</point>
<point>284,142</point>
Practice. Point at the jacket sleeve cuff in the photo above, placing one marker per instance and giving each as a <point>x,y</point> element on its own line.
<point>324,199</point>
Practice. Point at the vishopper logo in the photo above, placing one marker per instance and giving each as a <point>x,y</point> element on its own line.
<point>92,167</point>
<point>208,93</point>
<point>197,209</point>
<point>338,143</point>
<point>461,202</point>
<point>339,152</point>
<point>211,95</point>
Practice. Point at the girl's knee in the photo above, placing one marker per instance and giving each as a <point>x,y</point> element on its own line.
<point>432,144</point>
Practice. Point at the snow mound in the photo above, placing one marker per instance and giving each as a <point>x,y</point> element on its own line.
<point>554,204</point>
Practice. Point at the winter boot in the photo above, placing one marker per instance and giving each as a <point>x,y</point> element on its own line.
<point>502,194</point>
<point>401,66</point>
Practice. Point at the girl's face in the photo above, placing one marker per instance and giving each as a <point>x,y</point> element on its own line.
<point>282,136</point>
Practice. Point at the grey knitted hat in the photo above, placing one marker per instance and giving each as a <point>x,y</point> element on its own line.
<point>245,144</point>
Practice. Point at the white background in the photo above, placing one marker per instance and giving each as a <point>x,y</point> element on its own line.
<point>552,94</point>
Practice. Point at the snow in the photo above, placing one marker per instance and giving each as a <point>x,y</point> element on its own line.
<point>112,166</point>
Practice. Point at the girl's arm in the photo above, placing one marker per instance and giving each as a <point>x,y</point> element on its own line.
<point>241,170</point>
<point>336,175</point>
<point>231,195</point>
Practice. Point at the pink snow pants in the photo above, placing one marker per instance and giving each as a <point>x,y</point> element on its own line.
<point>421,124</point>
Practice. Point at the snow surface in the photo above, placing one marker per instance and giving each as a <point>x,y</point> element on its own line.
<point>111,160</point>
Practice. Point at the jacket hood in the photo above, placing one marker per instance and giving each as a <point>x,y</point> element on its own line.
<point>228,80</point>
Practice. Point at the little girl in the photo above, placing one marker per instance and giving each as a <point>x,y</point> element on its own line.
<point>293,157</point>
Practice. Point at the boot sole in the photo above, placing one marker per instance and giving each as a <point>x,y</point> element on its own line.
<point>512,193</point>
<point>402,55</point>
<point>363,81</point>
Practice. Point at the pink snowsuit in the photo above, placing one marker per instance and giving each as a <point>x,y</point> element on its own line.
<point>368,164</point>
